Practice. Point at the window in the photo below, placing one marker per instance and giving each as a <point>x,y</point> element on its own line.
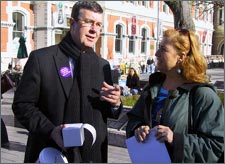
<point>221,17</point>
<point>165,8</point>
<point>118,41</point>
<point>196,12</point>
<point>143,40</point>
<point>131,44</point>
<point>144,3</point>
<point>18,28</point>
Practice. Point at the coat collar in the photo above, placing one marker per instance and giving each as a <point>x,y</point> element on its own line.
<point>62,64</point>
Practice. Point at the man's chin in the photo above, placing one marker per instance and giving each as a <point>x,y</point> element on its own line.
<point>88,45</point>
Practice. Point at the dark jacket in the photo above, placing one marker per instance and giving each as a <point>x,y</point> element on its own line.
<point>133,82</point>
<point>41,98</point>
<point>208,121</point>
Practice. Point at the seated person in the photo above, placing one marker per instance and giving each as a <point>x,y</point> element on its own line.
<point>133,81</point>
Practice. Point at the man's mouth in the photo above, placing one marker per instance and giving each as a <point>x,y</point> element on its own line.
<point>90,37</point>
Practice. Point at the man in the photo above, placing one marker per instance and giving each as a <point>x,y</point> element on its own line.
<point>68,83</point>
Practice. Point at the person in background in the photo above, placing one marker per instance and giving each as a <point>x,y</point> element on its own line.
<point>17,68</point>
<point>16,74</point>
<point>164,104</point>
<point>133,82</point>
<point>68,83</point>
<point>151,65</point>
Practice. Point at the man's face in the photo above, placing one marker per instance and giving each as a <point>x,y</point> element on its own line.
<point>86,30</point>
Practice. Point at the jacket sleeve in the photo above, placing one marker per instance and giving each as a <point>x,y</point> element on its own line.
<point>26,99</point>
<point>206,143</point>
<point>113,113</point>
<point>136,117</point>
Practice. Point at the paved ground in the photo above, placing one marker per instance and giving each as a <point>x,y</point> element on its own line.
<point>116,154</point>
<point>18,137</point>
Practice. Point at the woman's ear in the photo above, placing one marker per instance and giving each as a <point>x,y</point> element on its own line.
<point>182,56</point>
<point>71,21</point>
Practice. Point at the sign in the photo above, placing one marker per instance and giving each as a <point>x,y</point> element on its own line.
<point>133,25</point>
<point>59,16</point>
<point>204,36</point>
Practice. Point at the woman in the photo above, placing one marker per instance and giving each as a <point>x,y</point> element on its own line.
<point>133,81</point>
<point>164,104</point>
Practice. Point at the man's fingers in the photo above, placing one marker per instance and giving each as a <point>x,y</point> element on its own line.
<point>107,85</point>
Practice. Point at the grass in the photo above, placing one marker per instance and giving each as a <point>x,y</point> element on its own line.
<point>221,95</point>
<point>131,100</point>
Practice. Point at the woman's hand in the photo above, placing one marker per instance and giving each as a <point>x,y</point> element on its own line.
<point>164,133</point>
<point>141,133</point>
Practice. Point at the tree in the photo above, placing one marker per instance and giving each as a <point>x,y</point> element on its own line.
<point>182,11</point>
<point>182,14</point>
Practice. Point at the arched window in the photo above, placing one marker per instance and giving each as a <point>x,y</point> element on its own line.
<point>18,28</point>
<point>196,12</point>
<point>143,41</point>
<point>222,50</point>
<point>131,44</point>
<point>118,40</point>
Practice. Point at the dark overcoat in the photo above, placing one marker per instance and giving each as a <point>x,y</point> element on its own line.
<point>41,98</point>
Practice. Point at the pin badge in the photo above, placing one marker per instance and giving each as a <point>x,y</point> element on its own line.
<point>65,72</point>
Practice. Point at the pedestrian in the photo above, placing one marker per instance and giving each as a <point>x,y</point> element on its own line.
<point>4,135</point>
<point>133,82</point>
<point>191,136</point>
<point>151,65</point>
<point>68,83</point>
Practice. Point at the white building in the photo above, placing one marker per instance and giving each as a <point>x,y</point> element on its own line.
<point>129,34</point>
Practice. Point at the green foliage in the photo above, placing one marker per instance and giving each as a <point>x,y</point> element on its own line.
<point>221,95</point>
<point>129,100</point>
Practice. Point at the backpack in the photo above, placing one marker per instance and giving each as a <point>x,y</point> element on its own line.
<point>192,88</point>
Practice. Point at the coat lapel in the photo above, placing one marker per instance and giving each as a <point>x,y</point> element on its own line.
<point>64,72</point>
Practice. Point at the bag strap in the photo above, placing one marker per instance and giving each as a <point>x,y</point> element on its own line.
<point>191,129</point>
<point>192,89</point>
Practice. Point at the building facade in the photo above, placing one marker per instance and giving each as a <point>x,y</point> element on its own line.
<point>131,33</point>
<point>218,35</point>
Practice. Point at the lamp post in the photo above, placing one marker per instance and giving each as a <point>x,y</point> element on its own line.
<point>157,41</point>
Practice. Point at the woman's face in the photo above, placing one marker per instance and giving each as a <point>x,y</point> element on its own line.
<point>131,72</point>
<point>166,57</point>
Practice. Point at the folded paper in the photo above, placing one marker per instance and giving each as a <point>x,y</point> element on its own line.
<point>150,151</point>
<point>51,155</point>
<point>73,134</point>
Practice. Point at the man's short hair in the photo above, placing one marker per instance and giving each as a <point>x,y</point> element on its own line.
<point>89,5</point>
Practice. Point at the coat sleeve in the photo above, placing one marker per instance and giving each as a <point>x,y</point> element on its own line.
<point>206,143</point>
<point>137,116</point>
<point>113,113</point>
<point>26,99</point>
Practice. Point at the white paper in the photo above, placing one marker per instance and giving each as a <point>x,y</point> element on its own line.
<point>73,134</point>
<point>149,151</point>
<point>91,129</point>
<point>51,155</point>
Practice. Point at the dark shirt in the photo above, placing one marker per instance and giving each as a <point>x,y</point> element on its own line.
<point>133,82</point>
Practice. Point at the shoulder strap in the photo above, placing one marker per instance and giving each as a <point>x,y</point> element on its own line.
<point>192,88</point>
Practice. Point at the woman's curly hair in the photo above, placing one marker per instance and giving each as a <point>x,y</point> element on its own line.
<point>194,65</point>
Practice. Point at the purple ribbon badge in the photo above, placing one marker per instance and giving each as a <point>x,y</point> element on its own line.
<point>65,72</point>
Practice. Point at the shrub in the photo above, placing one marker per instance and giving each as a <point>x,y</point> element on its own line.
<point>129,100</point>
<point>221,95</point>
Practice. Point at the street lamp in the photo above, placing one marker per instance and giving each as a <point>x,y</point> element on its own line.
<point>157,41</point>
